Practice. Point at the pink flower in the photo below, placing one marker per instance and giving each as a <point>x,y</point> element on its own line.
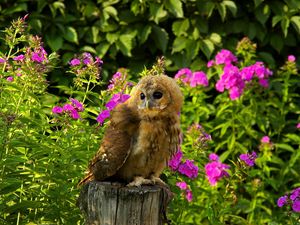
<point>68,107</point>
<point>225,57</point>
<point>213,157</point>
<point>175,160</point>
<point>295,194</point>
<point>2,60</point>
<point>198,78</point>
<point>235,93</point>
<point>247,73</point>
<point>102,116</point>
<point>74,114</point>
<point>210,63</point>
<point>265,139</point>
<point>189,169</point>
<point>298,126</point>
<point>36,58</point>
<point>19,58</point>
<point>282,201</point>
<point>75,62</point>
<point>249,159</point>
<point>87,58</point>
<point>189,195</point>
<point>116,99</point>
<point>182,185</point>
<point>291,58</point>
<point>98,61</point>
<point>10,79</point>
<point>264,83</point>
<point>57,110</point>
<point>220,86</point>
<point>184,75</point>
<point>296,205</point>
<point>215,171</point>
<point>77,105</point>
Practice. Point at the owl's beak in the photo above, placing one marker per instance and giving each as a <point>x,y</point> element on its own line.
<point>147,104</point>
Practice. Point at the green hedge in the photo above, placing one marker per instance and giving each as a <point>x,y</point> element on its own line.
<point>134,33</point>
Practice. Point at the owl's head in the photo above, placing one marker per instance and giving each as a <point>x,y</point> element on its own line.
<point>157,95</point>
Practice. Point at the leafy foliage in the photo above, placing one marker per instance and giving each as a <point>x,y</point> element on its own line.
<point>186,32</point>
<point>44,152</point>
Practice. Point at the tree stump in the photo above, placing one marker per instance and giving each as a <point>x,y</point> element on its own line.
<point>107,203</point>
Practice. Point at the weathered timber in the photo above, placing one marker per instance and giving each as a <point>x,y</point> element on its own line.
<point>106,203</point>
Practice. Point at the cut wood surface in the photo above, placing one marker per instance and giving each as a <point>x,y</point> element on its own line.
<point>107,203</point>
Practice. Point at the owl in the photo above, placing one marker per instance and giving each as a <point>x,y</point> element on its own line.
<point>142,134</point>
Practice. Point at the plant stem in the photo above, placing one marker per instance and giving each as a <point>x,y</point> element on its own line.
<point>87,89</point>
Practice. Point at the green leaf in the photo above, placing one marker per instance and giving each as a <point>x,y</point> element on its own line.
<point>215,38</point>
<point>87,48</point>
<point>71,35</point>
<point>144,34</point>
<point>112,37</point>
<point>16,8</point>
<point>112,12</point>
<point>175,7</point>
<point>207,47</point>
<point>284,146</point>
<point>179,44</point>
<point>285,23</point>
<point>231,6</point>
<point>157,12</point>
<point>258,2</point>
<point>296,23</point>
<point>180,27</point>
<point>276,42</point>
<point>262,14</point>
<point>275,20</point>
<point>54,41</point>
<point>192,49</point>
<point>222,10</point>
<point>125,43</point>
<point>160,37</point>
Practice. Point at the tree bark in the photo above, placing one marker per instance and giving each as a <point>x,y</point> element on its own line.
<point>106,203</point>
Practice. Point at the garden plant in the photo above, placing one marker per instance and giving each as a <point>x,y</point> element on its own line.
<point>239,160</point>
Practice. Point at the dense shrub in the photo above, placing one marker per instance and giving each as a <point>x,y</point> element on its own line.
<point>132,34</point>
<point>248,115</point>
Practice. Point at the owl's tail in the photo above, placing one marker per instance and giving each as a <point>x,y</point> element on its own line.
<point>88,177</point>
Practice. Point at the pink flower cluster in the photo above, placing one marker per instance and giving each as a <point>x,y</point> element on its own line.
<point>184,187</point>
<point>293,199</point>
<point>72,109</point>
<point>110,105</point>
<point>187,168</point>
<point>39,55</point>
<point>215,170</point>
<point>193,79</point>
<point>249,158</point>
<point>86,59</point>
<point>234,79</point>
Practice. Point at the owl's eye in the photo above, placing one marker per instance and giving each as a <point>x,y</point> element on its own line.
<point>157,95</point>
<point>142,95</point>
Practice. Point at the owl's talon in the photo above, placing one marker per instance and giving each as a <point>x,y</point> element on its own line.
<point>138,181</point>
<point>157,180</point>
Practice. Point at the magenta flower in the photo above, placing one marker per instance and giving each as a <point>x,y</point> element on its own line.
<point>198,78</point>
<point>291,58</point>
<point>19,58</point>
<point>189,169</point>
<point>189,195</point>
<point>75,62</point>
<point>261,71</point>
<point>265,139</point>
<point>77,105</point>
<point>10,79</point>
<point>98,61</point>
<point>215,171</point>
<point>210,63</point>
<point>295,194</point>
<point>57,110</point>
<point>264,83</point>
<point>74,114</point>
<point>225,57</point>
<point>298,126</point>
<point>102,116</point>
<point>2,60</point>
<point>249,159</point>
<point>68,107</point>
<point>282,201</point>
<point>247,73</point>
<point>87,58</point>
<point>36,58</point>
<point>175,160</point>
<point>296,205</point>
<point>213,157</point>
<point>116,99</point>
<point>182,185</point>
<point>184,75</point>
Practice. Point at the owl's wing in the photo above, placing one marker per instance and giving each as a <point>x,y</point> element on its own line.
<point>116,144</point>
